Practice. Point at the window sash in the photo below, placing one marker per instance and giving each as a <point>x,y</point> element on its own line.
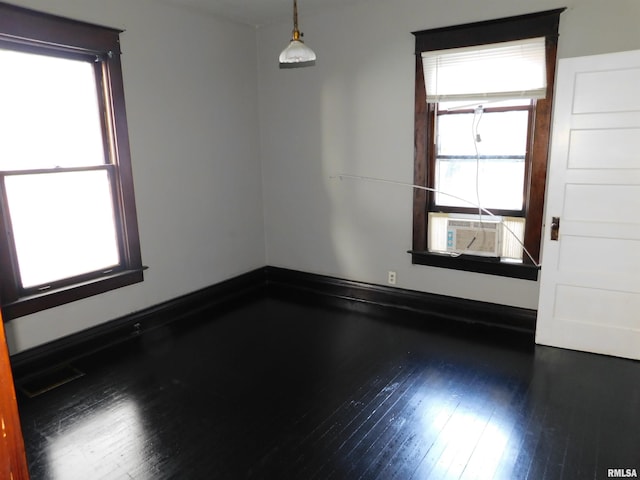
<point>63,225</point>
<point>499,71</point>
<point>495,167</point>
<point>55,98</point>
<point>499,182</point>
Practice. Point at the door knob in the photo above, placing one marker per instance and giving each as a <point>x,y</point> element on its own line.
<point>555,228</point>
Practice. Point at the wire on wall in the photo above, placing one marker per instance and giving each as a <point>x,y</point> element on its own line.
<point>342,176</point>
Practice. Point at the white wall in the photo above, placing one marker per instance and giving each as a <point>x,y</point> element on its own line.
<point>192,109</point>
<point>199,143</point>
<point>353,113</point>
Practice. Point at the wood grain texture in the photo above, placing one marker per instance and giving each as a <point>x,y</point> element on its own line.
<point>13,462</point>
<point>276,282</point>
<point>432,308</point>
<point>422,122</point>
<point>281,390</point>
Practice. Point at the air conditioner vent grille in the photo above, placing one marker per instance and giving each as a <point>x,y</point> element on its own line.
<point>473,237</point>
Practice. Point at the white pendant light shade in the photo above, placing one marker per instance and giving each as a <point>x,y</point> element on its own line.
<point>296,54</point>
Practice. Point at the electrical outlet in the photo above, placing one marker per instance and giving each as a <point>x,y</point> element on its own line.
<point>391,278</point>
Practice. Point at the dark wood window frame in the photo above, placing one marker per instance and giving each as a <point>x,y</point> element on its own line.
<point>541,24</point>
<point>27,30</point>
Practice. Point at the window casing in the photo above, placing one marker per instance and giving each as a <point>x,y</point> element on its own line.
<point>89,175</point>
<point>427,203</point>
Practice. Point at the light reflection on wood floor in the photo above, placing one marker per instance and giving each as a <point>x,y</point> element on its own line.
<point>286,391</point>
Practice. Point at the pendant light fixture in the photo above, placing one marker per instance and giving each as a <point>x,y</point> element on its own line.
<point>297,54</point>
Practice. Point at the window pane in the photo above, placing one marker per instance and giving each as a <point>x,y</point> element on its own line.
<point>63,224</point>
<point>49,115</point>
<point>500,183</point>
<point>489,171</point>
<point>501,133</point>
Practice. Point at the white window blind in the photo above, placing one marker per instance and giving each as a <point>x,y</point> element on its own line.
<point>497,71</point>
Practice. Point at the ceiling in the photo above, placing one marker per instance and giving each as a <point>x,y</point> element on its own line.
<point>260,12</point>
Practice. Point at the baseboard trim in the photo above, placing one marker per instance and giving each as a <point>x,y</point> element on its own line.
<point>295,284</point>
<point>277,283</point>
<point>92,340</point>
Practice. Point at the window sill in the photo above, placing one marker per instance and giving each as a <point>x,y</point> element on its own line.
<point>469,263</point>
<point>52,298</point>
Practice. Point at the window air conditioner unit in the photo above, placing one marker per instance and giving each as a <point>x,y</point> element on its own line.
<point>473,237</point>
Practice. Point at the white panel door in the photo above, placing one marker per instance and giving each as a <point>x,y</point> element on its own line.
<point>590,279</point>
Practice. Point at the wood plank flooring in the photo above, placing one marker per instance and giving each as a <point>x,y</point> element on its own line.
<point>281,390</point>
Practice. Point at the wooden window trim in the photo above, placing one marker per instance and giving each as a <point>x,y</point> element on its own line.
<point>493,31</point>
<point>28,30</point>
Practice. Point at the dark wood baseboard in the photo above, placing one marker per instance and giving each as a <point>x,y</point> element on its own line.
<point>64,350</point>
<point>284,282</point>
<point>278,283</point>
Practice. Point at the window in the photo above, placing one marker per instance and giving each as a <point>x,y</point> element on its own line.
<point>482,119</point>
<point>480,161</point>
<point>68,227</point>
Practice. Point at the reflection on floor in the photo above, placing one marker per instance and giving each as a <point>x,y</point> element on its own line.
<point>289,391</point>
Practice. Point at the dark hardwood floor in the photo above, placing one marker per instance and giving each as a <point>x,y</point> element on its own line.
<point>281,390</point>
